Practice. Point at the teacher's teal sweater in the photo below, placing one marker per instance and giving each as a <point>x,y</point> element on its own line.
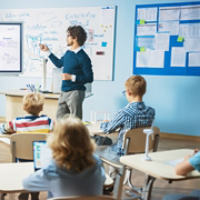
<point>78,64</point>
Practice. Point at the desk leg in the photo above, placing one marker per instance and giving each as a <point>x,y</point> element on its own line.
<point>147,189</point>
<point>117,193</point>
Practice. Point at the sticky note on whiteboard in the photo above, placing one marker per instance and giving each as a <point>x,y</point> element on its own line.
<point>104,44</point>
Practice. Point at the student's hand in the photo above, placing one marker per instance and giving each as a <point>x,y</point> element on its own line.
<point>66,76</point>
<point>44,47</point>
<point>187,157</point>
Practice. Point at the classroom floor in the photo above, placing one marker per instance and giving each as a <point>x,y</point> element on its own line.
<point>160,187</point>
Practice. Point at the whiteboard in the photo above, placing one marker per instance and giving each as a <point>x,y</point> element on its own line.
<point>11,47</point>
<point>48,26</point>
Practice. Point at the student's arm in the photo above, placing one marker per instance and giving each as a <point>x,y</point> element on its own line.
<point>109,127</point>
<point>36,182</point>
<point>7,128</point>
<point>184,167</point>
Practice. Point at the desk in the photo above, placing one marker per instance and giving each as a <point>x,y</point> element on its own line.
<point>13,183</point>
<point>157,168</point>
<point>14,104</point>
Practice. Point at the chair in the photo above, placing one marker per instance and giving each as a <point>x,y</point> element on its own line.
<point>84,198</point>
<point>21,145</point>
<point>134,142</point>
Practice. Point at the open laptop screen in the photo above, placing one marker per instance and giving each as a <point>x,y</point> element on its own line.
<point>41,154</point>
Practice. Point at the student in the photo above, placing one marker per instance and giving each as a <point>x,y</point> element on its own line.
<point>77,71</point>
<point>73,170</point>
<point>135,115</point>
<point>31,123</point>
<point>189,164</point>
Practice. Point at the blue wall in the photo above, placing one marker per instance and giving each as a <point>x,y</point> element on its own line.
<point>176,99</point>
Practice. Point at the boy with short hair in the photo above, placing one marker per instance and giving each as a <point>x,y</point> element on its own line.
<point>135,115</point>
<point>32,123</point>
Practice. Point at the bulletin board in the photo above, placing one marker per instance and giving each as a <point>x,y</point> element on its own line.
<point>167,39</point>
<point>48,26</point>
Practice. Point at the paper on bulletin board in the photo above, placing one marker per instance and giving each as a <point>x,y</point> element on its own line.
<point>142,58</point>
<point>147,42</point>
<point>191,44</point>
<point>150,59</point>
<point>157,58</point>
<point>194,59</point>
<point>169,13</point>
<point>171,26</point>
<point>190,30</point>
<point>147,29</point>
<point>147,14</point>
<point>162,41</point>
<point>190,12</point>
<point>178,57</point>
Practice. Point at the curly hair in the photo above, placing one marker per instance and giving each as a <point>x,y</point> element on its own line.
<point>136,85</point>
<point>33,103</point>
<point>79,33</point>
<point>71,145</point>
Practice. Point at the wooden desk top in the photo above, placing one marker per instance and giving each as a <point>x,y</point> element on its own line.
<point>157,167</point>
<point>12,175</point>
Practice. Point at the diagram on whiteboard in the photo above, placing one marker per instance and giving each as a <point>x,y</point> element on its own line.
<point>48,26</point>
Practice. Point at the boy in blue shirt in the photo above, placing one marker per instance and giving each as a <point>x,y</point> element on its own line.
<point>135,115</point>
<point>189,164</point>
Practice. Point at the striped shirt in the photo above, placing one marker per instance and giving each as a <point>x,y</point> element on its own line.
<point>28,124</point>
<point>134,115</point>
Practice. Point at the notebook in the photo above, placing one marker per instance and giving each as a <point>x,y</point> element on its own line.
<point>41,154</point>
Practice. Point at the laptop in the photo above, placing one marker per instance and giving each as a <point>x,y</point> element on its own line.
<point>41,154</point>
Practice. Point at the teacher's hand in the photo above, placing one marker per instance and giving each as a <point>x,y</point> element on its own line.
<point>66,76</point>
<point>44,47</point>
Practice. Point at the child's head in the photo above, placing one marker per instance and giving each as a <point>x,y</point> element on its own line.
<point>136,86</point>
<point>33,103</point>
<point>71,145</point>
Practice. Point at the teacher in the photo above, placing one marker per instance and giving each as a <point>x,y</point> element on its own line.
<point>77,71</point>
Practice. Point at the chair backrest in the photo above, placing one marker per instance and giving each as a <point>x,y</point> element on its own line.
<point>84,198</point>
<point>21,144</point>
<point>137,140</point>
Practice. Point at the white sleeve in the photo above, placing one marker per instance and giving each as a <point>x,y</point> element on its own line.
<point>36,182</point>
<point>73,77</point>
<point>47,53</point>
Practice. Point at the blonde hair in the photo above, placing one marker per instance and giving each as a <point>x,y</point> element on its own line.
<point>71,144</point>
<point>136,85</point>
<point>33,103</point>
